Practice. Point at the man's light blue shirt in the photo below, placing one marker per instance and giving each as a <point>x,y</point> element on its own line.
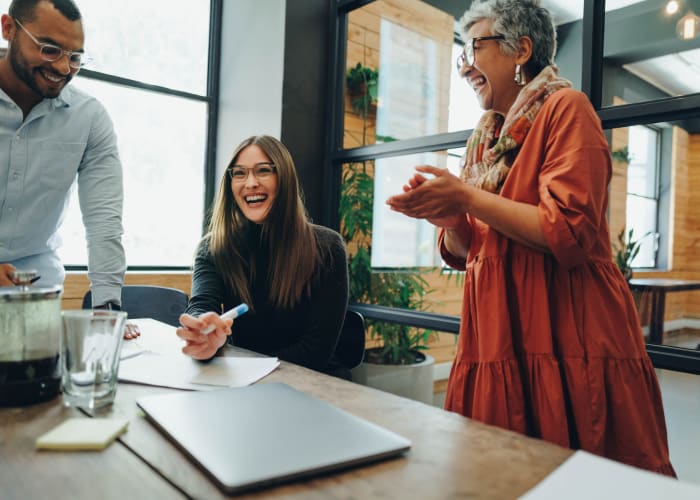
<point>40,157</point>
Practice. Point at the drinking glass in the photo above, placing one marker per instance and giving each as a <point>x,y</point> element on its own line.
<point>90,356</point>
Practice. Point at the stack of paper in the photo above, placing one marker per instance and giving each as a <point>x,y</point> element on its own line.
<point>155,358</point>
<point>183,372</point>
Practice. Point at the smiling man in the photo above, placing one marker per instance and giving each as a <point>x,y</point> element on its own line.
<point>51,133</point>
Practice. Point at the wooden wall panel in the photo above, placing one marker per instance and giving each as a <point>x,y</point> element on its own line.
<point>687,217</point>
<point>364,46</point>
<point>77,284</point>
<point>617,208</point>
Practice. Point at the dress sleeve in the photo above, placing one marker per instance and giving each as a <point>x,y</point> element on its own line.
<point>329,301</point>
<point>453,261</point>
<point>207,284</point>
<point>574,178</point>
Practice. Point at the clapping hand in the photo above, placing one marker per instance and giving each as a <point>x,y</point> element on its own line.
<point>439,200</point>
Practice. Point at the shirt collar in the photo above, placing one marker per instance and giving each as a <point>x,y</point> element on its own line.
<point>64,99</point>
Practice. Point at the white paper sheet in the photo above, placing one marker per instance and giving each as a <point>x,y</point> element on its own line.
<point>182,372</point>
<point>156,337</point>
<point>585,476</point>
<point>155,358</point>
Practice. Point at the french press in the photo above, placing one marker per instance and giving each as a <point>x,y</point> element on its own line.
<point>30,341</point>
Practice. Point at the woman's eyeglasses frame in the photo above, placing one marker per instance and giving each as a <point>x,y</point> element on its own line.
<point>239,173</point>
<point>467,57</point>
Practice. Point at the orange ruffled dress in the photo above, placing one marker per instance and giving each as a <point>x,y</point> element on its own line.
<point>550,345</point>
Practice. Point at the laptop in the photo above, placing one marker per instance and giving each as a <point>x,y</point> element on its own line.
<point>263,434</point>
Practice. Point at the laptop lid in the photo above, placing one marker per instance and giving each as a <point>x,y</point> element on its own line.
<point>264,434</point>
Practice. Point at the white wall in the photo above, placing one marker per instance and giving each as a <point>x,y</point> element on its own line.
<point>252,69</point>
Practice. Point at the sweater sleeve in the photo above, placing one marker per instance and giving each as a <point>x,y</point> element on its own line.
<point>329,301</point>
<point>207,284</point>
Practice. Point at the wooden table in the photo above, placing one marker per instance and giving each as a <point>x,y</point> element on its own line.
<point>451,456</point>
<point>658,288</point>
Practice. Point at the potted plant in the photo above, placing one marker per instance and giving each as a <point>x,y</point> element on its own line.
<point>398,364</point>
<point>626,249</point>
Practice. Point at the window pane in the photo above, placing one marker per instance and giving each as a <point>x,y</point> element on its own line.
<point>407,84</point>
<point>162,152</point>
<point>643,166</point>
<point>152,41</point>
<point>148,41</point>
<point>648,53</point>
<point>641,219</point>
<point>395,241</point>
<point>644,195</point>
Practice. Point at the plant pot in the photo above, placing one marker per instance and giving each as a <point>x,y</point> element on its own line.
<point>627,273</point>
<point>410,381</point>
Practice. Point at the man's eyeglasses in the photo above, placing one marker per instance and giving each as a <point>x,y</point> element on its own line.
<point>466,58</point>
<point>51,53</point>
<point>237,173</point>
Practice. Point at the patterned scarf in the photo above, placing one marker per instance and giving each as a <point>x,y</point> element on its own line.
<point>496,140</point>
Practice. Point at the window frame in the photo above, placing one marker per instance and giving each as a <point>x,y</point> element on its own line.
<point>211,98</point>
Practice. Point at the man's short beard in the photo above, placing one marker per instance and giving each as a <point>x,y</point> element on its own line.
<point>27,76</point>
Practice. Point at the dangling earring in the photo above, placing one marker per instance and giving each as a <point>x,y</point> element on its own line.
<point>519,76</point>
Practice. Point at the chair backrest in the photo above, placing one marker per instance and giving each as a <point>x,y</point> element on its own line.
<point>146,301</point>
<point>351,344</point>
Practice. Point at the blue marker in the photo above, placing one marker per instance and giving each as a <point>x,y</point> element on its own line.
<point>230,314</point>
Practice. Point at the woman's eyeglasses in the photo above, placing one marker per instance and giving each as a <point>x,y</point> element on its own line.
<point>466,58</point>
<point>238,173</point>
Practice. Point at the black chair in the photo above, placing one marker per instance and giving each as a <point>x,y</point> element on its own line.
<point>146,301</point>
<point>350,350</point>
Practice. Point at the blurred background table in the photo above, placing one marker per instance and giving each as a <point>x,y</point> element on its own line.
<point>658,288</point>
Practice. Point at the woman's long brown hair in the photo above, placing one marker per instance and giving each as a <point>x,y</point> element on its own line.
<point>295,257</point>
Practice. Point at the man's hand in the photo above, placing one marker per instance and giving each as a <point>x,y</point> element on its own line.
<point>6,271</point>
<point>131,331</point>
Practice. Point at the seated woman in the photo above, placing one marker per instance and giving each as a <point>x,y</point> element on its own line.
<point>262,250</point>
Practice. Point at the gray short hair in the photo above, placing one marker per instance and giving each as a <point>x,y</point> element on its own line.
<point>513,19</point>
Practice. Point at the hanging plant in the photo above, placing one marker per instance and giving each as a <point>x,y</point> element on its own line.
<point>622,155</point>
<point>362,85</point>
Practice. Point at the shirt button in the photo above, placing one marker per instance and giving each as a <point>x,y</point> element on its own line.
<point>17,138</point>
<point>15,176</point>
<point>10,209</point>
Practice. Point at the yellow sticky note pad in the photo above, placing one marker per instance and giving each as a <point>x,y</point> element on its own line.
<point>83,434</point>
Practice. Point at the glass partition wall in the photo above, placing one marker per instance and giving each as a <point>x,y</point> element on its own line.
<point>396,101</point>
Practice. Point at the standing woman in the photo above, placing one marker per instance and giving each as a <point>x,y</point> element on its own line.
<point>550,344</point>
<point>262,250</point>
